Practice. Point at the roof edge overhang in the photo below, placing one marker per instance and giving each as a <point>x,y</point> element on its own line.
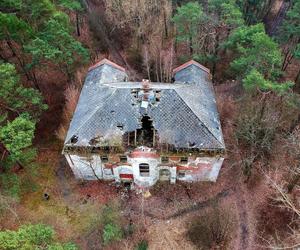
<point>108,62</point>
<point>187,64</point>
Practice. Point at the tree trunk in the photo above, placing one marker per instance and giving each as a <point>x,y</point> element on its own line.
<point>191,45</point>
<point>22,65</point>
<point>297,80</point>
<point>165,24</point>
<point>293,182</point>
<point>77,24</point>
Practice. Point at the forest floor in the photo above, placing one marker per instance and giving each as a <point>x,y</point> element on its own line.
<point>74,208</point>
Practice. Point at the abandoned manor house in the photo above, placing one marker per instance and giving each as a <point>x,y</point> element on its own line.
<point>139,133</point>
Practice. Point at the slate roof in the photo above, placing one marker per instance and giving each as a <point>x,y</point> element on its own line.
<point>186,115</point>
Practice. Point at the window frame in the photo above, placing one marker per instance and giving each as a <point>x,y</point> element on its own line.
<point>144,169</point>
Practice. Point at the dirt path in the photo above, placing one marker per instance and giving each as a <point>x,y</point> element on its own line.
<point>200,205</point>
<point>61,174</point>
<point>242,219</point>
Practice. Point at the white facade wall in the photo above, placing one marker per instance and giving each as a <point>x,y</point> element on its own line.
<point>85,167</point>
<point>91,168</point>
<point>153,171</point>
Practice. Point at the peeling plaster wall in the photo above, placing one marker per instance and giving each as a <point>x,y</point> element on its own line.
<point>201,169</point>
<point>85,167</point>
<point>205,169</point>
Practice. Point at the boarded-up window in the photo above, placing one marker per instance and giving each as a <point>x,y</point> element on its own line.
<point>144,169</point>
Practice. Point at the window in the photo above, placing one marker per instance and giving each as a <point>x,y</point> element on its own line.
<point>104,158</point>
<point>181,174</point>
<point>184,160</point>
<point>144,169</point>
<point>123,158</point>
<point>164,159</point>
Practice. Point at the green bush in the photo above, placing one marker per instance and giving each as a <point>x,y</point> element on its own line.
<point>143,245</point>
<point>112,223</point>
<point>111,232</point>
<point>32,237</point>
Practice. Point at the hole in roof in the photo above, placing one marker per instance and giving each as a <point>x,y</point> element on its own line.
<point>192,144</point>
<point>112,112</point>
<point>74,139</point>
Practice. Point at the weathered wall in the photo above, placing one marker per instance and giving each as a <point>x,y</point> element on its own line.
<point>202,169</point>
<point>153,174</point>
<point>91,168</point>
<point>85,167</point>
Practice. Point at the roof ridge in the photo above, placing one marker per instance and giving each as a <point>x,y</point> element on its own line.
<point>191,62</point>
<point>108,62</point>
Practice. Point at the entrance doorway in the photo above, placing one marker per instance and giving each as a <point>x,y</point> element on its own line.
<point>164,175</point>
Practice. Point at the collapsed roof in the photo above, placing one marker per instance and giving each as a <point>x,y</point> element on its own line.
<point>184,113</point>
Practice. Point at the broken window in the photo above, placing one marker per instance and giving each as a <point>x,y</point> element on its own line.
<point>104,158</point>
<point>164,159</point>
<point>181,173</point>
<point>184,160</point>
<point>144,169</point>
<point>123,158</point>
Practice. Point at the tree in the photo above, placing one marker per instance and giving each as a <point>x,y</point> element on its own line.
<point>224,17</point>
<point>205,31</point>
<point>254,10</point>
<point>54,43</point>
<point>75,6</point>
<point>37,236</point>
<point>38,32</point>
<point>187,21</point>
<point>14,97</point>
<point>14,30</point>
<point>20,108</point>
<point>290,36</point>
<point>256,81</point>
<point>17,135</point>
<point>254,49</point>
